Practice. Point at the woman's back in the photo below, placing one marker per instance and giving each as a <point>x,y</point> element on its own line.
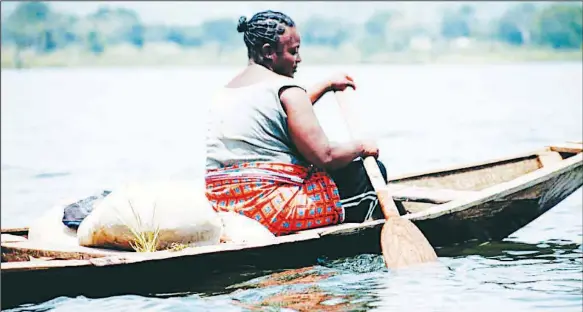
<point>248,124</point>
<point>268,158</point>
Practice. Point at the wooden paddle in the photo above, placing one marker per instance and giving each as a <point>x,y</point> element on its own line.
<point>402,243</point>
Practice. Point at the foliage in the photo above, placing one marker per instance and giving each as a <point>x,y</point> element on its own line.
<point>36,26</point>
<point>458,23</point>
<point>514,26</point>
<point>560,26</point>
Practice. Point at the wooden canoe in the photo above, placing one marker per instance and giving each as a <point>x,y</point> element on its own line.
<point>480,202</point>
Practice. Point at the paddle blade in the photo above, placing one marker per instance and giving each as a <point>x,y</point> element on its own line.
<point>403,244</point>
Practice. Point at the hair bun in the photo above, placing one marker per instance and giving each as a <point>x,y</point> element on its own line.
<point>242,25</point>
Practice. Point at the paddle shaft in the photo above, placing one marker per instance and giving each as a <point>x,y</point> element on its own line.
<point>373,171</point>
<point>402,243</point>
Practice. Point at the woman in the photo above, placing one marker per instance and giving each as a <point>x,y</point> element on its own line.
<point>267,156</point>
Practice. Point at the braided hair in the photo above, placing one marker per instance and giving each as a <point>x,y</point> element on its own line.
<point>264,27</point>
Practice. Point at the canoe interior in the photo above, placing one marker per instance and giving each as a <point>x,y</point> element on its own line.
<point>414,192</point>
<point>473,178</point>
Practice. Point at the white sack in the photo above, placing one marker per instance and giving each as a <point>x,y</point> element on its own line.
<point>49,228</point>
<point>180,209</point>
<point>238,228</point>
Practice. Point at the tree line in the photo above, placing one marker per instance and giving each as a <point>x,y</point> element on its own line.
<point>36,26</point>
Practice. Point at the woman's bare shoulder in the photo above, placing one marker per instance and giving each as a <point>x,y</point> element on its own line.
<point>252,75</point>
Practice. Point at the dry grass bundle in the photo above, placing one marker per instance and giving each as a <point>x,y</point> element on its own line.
<point>143,240</point>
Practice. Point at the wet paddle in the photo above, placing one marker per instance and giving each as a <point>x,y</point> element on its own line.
<point>402,243</point>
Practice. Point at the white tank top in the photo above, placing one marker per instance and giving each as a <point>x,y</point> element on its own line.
<point>248,124</point>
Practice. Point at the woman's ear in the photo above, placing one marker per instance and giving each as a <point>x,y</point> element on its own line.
<point>267,51</point>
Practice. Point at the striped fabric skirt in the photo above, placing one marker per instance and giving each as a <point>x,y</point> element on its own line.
<point>285,198</point>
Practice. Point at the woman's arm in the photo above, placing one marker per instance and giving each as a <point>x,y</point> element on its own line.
<point>310,139</point>
<point>318,90</point>
<point>336,83</point>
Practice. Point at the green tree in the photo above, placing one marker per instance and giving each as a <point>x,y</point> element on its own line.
<point>48,42</point>
<point>376,25</point>
<point>114,26</point>
<point>26,25</point>
<point>35,25</point>
<point>324,32</point>
<point>222,31</point>
<point>458,23</point>
<point>136,35</point>
<point>185,36</point>
<point>375,33</point>
<point>560,26</point>
<point>515,26</point>
<point>95,43</point>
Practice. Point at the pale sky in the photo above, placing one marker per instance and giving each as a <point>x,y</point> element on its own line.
<point>194,12</point>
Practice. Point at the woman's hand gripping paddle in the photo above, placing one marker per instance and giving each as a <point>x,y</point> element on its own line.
<point>402,243</point>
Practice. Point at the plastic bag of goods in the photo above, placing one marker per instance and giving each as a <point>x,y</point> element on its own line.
<point>148,216</point>
<point>49,228</point>
<point>238,228</point>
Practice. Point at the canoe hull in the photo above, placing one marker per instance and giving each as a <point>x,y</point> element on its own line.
<point>497,219</point>
<point>208,273</point>
<point>489,214</point>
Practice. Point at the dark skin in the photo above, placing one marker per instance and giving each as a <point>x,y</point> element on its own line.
<point>304,128</point>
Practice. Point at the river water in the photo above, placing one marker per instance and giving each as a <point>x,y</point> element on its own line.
<point>67,133</point>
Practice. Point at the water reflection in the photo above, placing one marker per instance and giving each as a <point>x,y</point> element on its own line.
<point>519,275</point>
<point>305,289</point>
<point>507,275</point>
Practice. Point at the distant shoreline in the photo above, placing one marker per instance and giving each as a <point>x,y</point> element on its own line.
<point>164,57</point>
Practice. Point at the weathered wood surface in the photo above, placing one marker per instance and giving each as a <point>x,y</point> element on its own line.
<point>504,170</point>
<point>549,158</point>
<point>567,147</point>
<point>501,190</point>
<point>23,250</point>
<point>406,193</point>
<point>9,238</point>
<point>15,231</point>
<point>499,217</point>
